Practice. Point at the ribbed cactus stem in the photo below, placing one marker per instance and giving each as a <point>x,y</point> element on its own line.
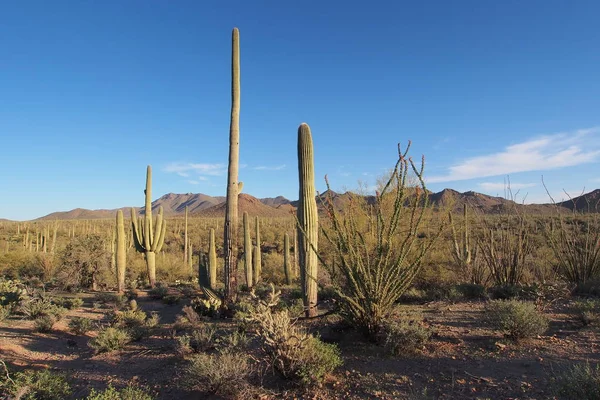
<point>308,230</point>
<point>212,260</point>
<point>247,251</point>
<point>257,258</point>
<point>146,241</point>
<point>287,265</point>
<point>121,253</point>
<point>233,186</point>
<point>190,258</point>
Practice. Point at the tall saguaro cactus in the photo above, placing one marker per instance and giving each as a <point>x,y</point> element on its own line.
<point>185,237</point>
<point>308,229</point>
<point>247,250</point>
<point>233,186</point>
<point>287,268</point>
<point>147,239</point>
<point>121,252</point>
<point>257,258</point>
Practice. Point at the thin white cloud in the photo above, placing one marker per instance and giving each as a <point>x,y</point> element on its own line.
<point>199,169</point>
<point>542,153</point>
<point>265,168</point>
<point>505,185</point>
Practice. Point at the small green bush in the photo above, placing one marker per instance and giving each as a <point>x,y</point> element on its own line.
<point>203,339</point>
<point>115,299</point>
<point>405,337</point>
<point>70,303</point>
<point>80,325</point>
<point>128,393</point>
<point>472,290</point>
<point>516,319</point>
<point>587,311</point>
<point>224,374</point>
<point>158,292</point>
<point>171,299</point>
<point>317,359</point>
<point>580,382</point>
<point>5,312</point>
<point>110,339</point>
<point>39,385</point>
<point>44,323</point>
<point>39,307</point>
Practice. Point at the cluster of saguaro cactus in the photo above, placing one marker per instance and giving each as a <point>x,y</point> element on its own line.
<point>233,186</point>
<point>308,224</point>
<point>121,252</point>
<point>149,235</point>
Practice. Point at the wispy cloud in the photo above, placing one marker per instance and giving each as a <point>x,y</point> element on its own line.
<point>542,153</point>
<point>266,168</point>
<point>200,170</point>
<point>505,185</point>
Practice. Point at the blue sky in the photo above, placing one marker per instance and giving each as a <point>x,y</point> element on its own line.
<point>93,91</point>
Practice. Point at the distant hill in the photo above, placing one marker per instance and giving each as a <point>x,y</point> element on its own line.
<point>214,206</point>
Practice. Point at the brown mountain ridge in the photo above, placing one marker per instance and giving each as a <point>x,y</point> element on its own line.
<point>214,206</point>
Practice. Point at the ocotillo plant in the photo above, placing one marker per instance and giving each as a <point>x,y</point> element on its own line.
<point>147,239</point>
<point>233,186</point>
<point>247,250</point>
<point>212,260</point>
<point>308,224</point>
<point>257,259</point>
<point>287,267</point>
<point>121,252</point>
<point>185,237</point>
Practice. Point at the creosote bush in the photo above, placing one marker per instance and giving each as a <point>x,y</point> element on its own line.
<point>405,337</point>
<point>516,319</point>
<point>127,393</point>
<point>587,311</point>
<point>580,382</point>
<point>37,385</point>
<point>377,248</point>
<point>224,374</point>
<point>44,323</point>
<point>80,325</point>
<point>110,339</point>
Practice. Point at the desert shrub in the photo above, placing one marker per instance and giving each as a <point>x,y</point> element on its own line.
<point>224,374</point>
<point>110,339</point>
<point>158,292</point>
<point>472,290</point>
<point>85,263</point>
<point>207,307</point>
<point>39,385</point>
<point>292,351</point>
<point>136,322</point>
<point>5,312</point>
<point>127,393</point>
<point>187,291</point>
<point>587,311</point>
<point>114,299</point>
<point>203,339</point>
<point>443,292</point>
<point>171,299</point>
<point>516,319</point>
<point>41,307</point>
<point>505,292</point>
<point>80,325</point>
<point>70,303</point>
<point>413,295</point>
<point>236,340</point>
<point>188,319</point>
<point>377,247</point>
<point>405,337</point>
<point>580,382</point>
<point>44,323</point>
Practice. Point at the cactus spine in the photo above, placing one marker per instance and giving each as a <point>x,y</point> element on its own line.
<point>233,186</point>
<point>287,269</point>
<point>121,254</point>
<point>308,229</point>
<point>247,251</point>
<point>212,260</point>
<point>257,268</point>
<point>147,239</point>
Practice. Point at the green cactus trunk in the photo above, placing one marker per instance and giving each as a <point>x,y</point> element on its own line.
<point>203,279</point>
<point>233,186</point>
<point>287,267</point>
<point>308,230</point>
<point>147,239</point>
<point>190,259</point>
<point>212,261</point>
<point>247,251</point>
<point>257,258</point>
<point>121,254</point>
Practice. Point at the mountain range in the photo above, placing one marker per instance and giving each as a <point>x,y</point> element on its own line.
<point>202,205</point>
